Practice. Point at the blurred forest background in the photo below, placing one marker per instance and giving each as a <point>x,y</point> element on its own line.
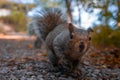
<point>101,15</point>
<point>16,46</point>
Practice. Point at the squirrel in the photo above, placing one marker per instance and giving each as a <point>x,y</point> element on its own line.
<point>65,43</point>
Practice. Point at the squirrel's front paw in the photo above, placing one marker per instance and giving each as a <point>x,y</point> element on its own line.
<point>53,68</point>
<point>76,73</point>
<point>65,66</point>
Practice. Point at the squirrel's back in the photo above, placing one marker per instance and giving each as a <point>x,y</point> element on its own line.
<point>46,22</point>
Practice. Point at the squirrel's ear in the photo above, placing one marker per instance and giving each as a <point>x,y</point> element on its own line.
<point>90,30</point>
<point>71,29</point>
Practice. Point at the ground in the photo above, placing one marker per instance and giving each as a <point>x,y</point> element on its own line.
<point>19,60</point>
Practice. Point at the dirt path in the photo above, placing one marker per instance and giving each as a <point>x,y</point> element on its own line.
<point>19,60</point>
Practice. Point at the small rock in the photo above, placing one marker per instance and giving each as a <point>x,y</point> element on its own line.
<point>4,70</point>
<point>39,76</point>
<point>29,74</point>
<point>12,77</point>
<point>22,78</point>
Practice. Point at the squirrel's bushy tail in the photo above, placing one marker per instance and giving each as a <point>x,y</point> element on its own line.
<point>46,22</point>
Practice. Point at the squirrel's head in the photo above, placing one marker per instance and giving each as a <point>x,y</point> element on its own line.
<point>79,40</point>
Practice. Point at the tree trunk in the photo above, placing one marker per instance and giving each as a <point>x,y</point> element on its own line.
<point>79,20</point>
<point>68,4</point>
<point>118,14</point>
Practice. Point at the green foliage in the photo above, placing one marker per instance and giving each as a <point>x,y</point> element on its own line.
<point>116,37</point>
<point>50,3</point>
<point>104,36</point>
<point>17,19</point>
<point>15,6</point>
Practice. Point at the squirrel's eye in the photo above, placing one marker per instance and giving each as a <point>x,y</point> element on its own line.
<point>89,38</point>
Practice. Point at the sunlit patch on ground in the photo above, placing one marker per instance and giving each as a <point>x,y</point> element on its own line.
<point>17,37</point>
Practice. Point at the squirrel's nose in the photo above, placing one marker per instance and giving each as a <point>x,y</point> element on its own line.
<point>81,46</point>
